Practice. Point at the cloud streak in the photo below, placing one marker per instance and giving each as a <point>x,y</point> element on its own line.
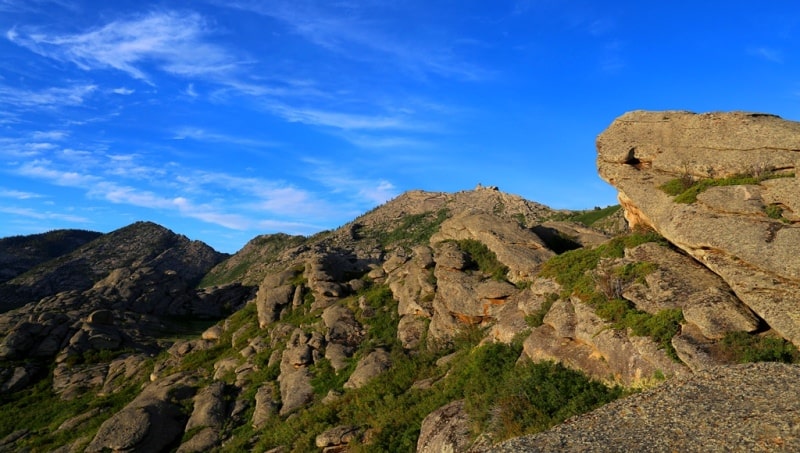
<point>172,41</point>
<point>338,28</point>
<point>49,97</point>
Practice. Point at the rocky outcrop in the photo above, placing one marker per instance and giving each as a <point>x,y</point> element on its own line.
<point>446,429</point>
<point>151,422</point>
<point>574,335</point>
<point>735,408</point>
<point>745,233</point>
<point>375,363</point>
<point>295,378</point>
<point>337,439</point>
<point>515,246</point>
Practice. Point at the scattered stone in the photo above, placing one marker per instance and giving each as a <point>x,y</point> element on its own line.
<point>446,429</point>
<point>375,363</point>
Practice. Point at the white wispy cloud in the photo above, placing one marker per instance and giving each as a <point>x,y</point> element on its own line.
<point>173,41</point>
<point>338,179</point>
<point>43,215</point>
<point>48,97</point>
<point>50,135</point>
<point>766,53</point>
<point>123,91</point>
<point>202,135</point>
<point>18,194</point>
<point>341,120</point>
<point>42,169</point>
<point>250,202</point>
<point>339,27</point>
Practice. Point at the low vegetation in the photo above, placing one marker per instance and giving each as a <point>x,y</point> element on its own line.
<point>38,409</point>
<point>577,272</point>
<point>482,259</point>
<point>686,189</point>
<point>412,229</point>
<point>591,216</point>
<point>741,347</point>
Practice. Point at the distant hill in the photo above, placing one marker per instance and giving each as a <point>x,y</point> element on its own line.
<point>19,254</point>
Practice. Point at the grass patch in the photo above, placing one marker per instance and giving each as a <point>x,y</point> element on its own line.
<point>587,217</point>
<point>574,270</point>
<point>741,347</point>
<point>413,229</point>
<point>686,190</point>
<point>483,259</point>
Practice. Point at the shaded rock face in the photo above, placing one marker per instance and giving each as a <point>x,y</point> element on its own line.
<point>111,294</point>
<point>727,229</point>
<point>151,422</point>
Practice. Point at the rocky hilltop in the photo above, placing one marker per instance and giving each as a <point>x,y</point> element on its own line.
<point>436,322</point>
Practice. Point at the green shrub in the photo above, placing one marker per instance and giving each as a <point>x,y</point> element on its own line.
<point>413,229</point>
<point>573,270</point>
<point>483,259</point>
<point>686,191</point>
<point>742,347</point>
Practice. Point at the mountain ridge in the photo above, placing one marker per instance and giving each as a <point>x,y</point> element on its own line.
<point>435,321</point>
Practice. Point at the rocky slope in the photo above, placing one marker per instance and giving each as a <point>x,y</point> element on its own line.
<point>434,322</point>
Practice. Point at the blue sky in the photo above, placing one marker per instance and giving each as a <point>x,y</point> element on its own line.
<point>222,120</point>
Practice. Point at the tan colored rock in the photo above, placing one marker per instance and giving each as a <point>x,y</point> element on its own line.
<point>210,409</point>
<point>680,282</point>
<point>412,283</point>
<point>342,327</point>
<point>518,248</point>
<point>369,367</point>
<point>266,405</point>
<point>410,330</point>
<point>581,340</point>
<point>694,349</point>
<point>337,439</point>
<point>754,254</point>
<point>446,429</point>
<point>269,301</point>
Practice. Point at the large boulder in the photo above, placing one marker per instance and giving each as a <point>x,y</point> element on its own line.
<point>730,229</point>
<point>446,429</point>
<point>515,246</point>
<point>153,421</point>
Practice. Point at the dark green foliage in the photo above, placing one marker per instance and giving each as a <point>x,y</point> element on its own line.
<point>742,347</point>
<point>573,270</point>
<point>413,229</point>
<point>661,327</point>
<point>570,268</point>
<point>483,259</point>
<point>635,272</point>
<point>686,190</point>
<point>538,396</point>
<point>382,324</point>
<point>587,217</point>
